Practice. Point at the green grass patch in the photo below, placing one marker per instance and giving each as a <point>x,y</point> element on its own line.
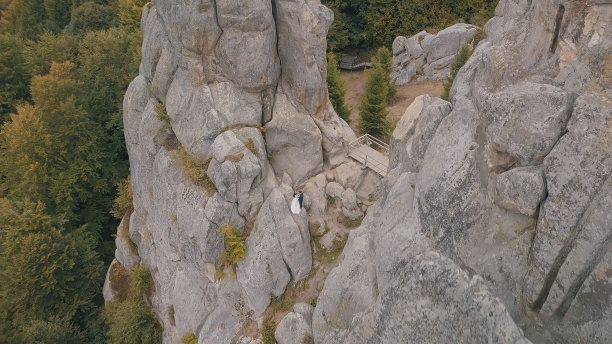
<point>267,331</point>
<point>189,338</point>
<point>142,282</point>
<point>162,115</point>
<point>194,169</point>
<point>349,223</point>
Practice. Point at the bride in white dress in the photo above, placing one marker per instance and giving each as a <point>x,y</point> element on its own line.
<point>295,203</point>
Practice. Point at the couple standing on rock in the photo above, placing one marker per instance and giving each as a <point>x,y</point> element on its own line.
<point>296,203</point>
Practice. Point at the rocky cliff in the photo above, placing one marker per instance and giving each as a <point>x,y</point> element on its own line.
<point>230,95</point>
<point>510,181</point>
<point>493,223</point>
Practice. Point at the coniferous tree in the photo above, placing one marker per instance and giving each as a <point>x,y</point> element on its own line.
<point>13,75</point>
<point>383,60</point>
<point>47,270</point>
<point>336,89</point>
<point>373,109</point>
<point>383,21</point>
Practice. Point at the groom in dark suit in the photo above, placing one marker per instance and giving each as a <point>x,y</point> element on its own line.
<point>301,198</point>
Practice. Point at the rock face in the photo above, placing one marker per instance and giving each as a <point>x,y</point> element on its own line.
<point>427,56</point>
<point>244,89</point>
<point>511,181</point>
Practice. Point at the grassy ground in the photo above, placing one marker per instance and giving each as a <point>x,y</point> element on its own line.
<point>355,82</point>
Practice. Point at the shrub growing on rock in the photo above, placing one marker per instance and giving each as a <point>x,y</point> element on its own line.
<point>132,322</point>
<point>235,247</point>
<point>189,338</point>
<point>462,57</point>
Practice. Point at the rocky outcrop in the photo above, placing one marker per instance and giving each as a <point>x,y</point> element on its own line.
<point>230,95</point>
<point>509,181</point>
<point>427,56</point>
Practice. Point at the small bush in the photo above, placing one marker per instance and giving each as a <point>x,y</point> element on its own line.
<point>194,169</point>
<point>313,302</point>
<point>235,246</point>
<point>251,146</point>
<point>235,157</point>
<point>142,282</point>
<point>132,321</point>
<point>462,57</point>
<point>331,201</point>
<point>348,222</point>
<point>304,284</point>
<point>267,331</point>
<point>173,218</point>
<point>162,115</point>
<point>122,205</point>
<point>479,36</point>
<point>189,338</point>
<point>120,282</point>
<point>220,274</point>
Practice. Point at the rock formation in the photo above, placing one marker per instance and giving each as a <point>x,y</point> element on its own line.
<point>492,225</point>
<point>427,56</point>
<point>230,95</point>
<point>511,181</point>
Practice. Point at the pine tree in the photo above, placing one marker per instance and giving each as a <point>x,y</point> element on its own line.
<point>13,75</point>
<point>47,270</point>
<point>383,61</point>
<point>373,109</point>
<point>336,89</point>
<point>383,21</point>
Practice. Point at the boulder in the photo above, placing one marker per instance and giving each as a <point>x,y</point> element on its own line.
<point>335,190</point>
<point>429,56</point>
<point>521,189</point>
<point>348,175</point>
<point>315,189</point>
<point>350,208</point>
<point>293,142</point>
<point>528,119</point>
<point>293,329</point>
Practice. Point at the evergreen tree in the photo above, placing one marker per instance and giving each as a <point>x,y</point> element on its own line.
<point>383,61</point>
<point>336,89</point>
<point>383,21</point>
<point>49,48</point>
<point>52,151</point>
<point>373,109</point>
<point>48,271</point>
<point>13,75</point>
<point>130,12</point>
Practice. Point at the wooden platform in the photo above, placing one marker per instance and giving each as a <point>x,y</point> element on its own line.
<point>377,160</point>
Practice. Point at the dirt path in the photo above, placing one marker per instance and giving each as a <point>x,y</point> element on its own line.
<point>355,85</point>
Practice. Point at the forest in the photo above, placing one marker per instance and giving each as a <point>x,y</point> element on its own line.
<point>64,67</point>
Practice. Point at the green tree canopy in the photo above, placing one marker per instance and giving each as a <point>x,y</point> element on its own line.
<point>13,75</point>
<point>336,89</point>
<point>373,109</point>
<point>383,60</point>
<point>39,264</point>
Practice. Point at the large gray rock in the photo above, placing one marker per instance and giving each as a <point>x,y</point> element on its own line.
<point>521,189</point>
<point>314,189</point>
<point>429,56</point>
<point>527,120</point>
<point>388,287</point>
<point>415,130</point>
<point>294,328</point>
<point>350,208</point>
<point>294,142</point>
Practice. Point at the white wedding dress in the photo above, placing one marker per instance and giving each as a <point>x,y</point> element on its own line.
<point>295,205</point>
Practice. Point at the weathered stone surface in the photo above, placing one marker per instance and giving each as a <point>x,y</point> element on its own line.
<point>350,208</point>
<point>263,271</point>
<point>576,171</point>
<point>528,119</point>
<point>521,189</point>
<point>302,27</point>
<point>415,130</point>
<point>429,56</point>
<point>335,190</point>
<point>293,329</point>
<point>315,189</point>
<point>107,290</point>
<point>294,142</point>
<point>348,175</point>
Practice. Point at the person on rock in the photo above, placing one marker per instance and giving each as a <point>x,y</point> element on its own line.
<point>301,198</point>
<point>296,205</point>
